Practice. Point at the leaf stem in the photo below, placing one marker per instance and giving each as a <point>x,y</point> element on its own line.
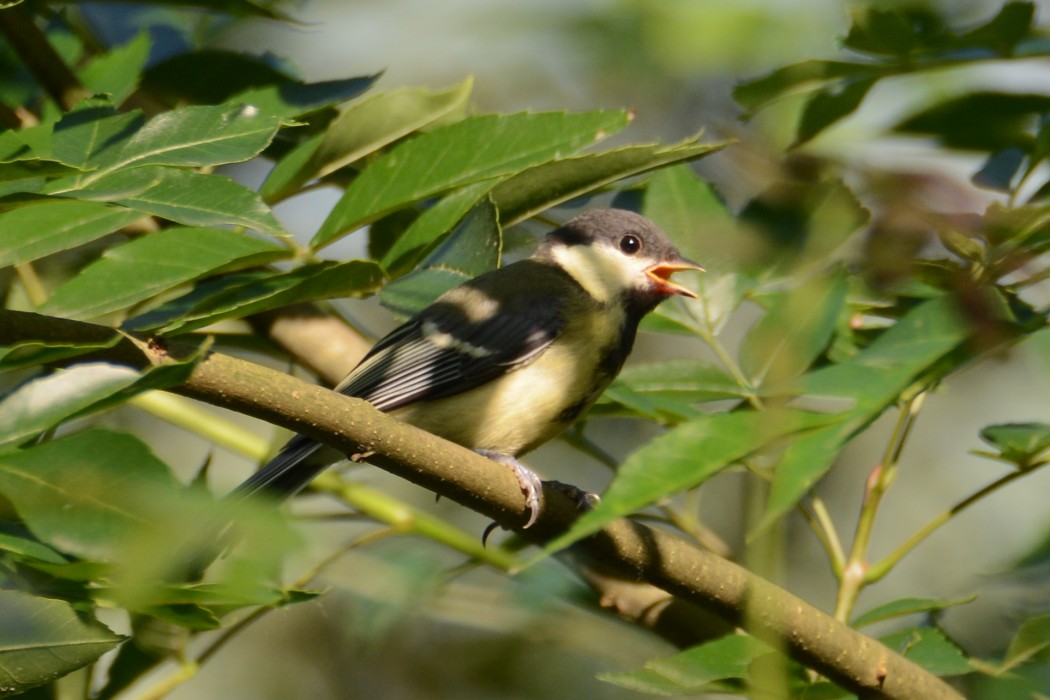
<point>883,567</point>
<point>854,576</point>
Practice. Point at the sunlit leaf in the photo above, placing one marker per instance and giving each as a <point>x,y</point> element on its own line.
<point>363,128</point>
<point>552,183</point>
<point>145,266</point>
<point>43,403</point>
<point>47,226</point>
<point>474,149</point>
<point>116,73</point>
<point>185,197</point>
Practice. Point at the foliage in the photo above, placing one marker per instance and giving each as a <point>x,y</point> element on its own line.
<point>111,210</point>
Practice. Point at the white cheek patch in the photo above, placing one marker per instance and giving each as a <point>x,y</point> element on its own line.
<point>601,270</point>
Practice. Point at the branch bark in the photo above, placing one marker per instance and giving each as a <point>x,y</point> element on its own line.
<point>625,548</point>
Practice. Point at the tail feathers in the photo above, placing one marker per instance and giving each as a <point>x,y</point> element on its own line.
<point>287,473</point>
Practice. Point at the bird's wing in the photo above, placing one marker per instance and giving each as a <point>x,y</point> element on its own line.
<point>442,352</point>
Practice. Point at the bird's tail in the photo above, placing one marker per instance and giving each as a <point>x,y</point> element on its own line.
<point>287,473</point>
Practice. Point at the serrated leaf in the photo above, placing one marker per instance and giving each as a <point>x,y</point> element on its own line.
<point>97,139</point>
<point>47,226</point>
<point>185,197</point>
<point>1018,443</point>
<point>210,76</point>
<point>116,72</point>
<point>474,149</point>
<point>473,248</point>
<point>930,649</point>
<point>43,403</point>
<point>364,127</point>
<point>255,293</point>
<point>794,331</point>
<point>549,184</point>
<point>433,223</point>
<point>291,99</point>
<point>906,606</point>
<point>685,457</point>
<point>143,267</point>
<point>43,639</point>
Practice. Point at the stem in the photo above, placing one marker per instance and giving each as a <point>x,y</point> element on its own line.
<point>191,416</point>
<point>883,567</point>
<point>820,521</point>
<point>855,571</point>
<point>36,53</point>
<point>36,292</point>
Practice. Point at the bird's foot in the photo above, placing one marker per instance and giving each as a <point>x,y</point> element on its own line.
<point>585,500</point>
<point>531,484</point>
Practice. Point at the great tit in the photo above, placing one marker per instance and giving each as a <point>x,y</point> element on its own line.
<point>509,359</point>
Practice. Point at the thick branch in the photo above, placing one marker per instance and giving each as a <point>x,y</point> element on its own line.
<point>626,548</point>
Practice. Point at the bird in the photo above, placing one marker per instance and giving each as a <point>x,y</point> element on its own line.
<point>509,359</point>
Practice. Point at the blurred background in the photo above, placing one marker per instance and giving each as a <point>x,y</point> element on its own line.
<point>394,623</point>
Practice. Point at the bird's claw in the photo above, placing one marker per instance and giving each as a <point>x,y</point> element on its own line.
<point>530,482</point>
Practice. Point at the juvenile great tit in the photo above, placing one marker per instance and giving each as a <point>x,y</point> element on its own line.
<point>508,360</point>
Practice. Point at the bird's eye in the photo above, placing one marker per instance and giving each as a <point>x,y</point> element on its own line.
<point>630,244</point>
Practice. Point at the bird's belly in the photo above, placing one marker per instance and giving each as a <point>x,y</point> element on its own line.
<point>520,410</point>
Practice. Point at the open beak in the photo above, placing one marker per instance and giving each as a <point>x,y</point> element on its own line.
<point>660,275</point>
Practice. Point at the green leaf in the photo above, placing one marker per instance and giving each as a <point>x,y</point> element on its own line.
<point>43,639</point>
<point>868,383</point>
<point>252,294</point>
<point>363,128</point>
<point>1030,644</point>
<point>45,226</point>
<point>474,149</point>
<point>688,672</point>
<point>44,403</point>
<point>433,223</point>
<point>829,106</point>
<point>30,549</point>
<point>292,99</point>
<point>117,72</point>
<point>86,493</point>
<point>185,197</point>
<point>806,76</point>
<point>683,458</point>
<point>928,647</point>
<point>195,136</point>
<point>906,606</point>
<point>473,248</point>
<point>549,184</point>
<point>692,214</point>
<point>143,267</point>
<point>672,387</point>
<point>794,331</point>
<point>210,76</point>
<point>983,121</point>
<point>1018,443</point>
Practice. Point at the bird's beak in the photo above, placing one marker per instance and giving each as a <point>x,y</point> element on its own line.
<point>660,275</point>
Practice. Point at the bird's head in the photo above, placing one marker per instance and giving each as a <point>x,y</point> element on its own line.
<point>615,253</point>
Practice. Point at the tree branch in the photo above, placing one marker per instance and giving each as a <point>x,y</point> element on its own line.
<point>625,548</point>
